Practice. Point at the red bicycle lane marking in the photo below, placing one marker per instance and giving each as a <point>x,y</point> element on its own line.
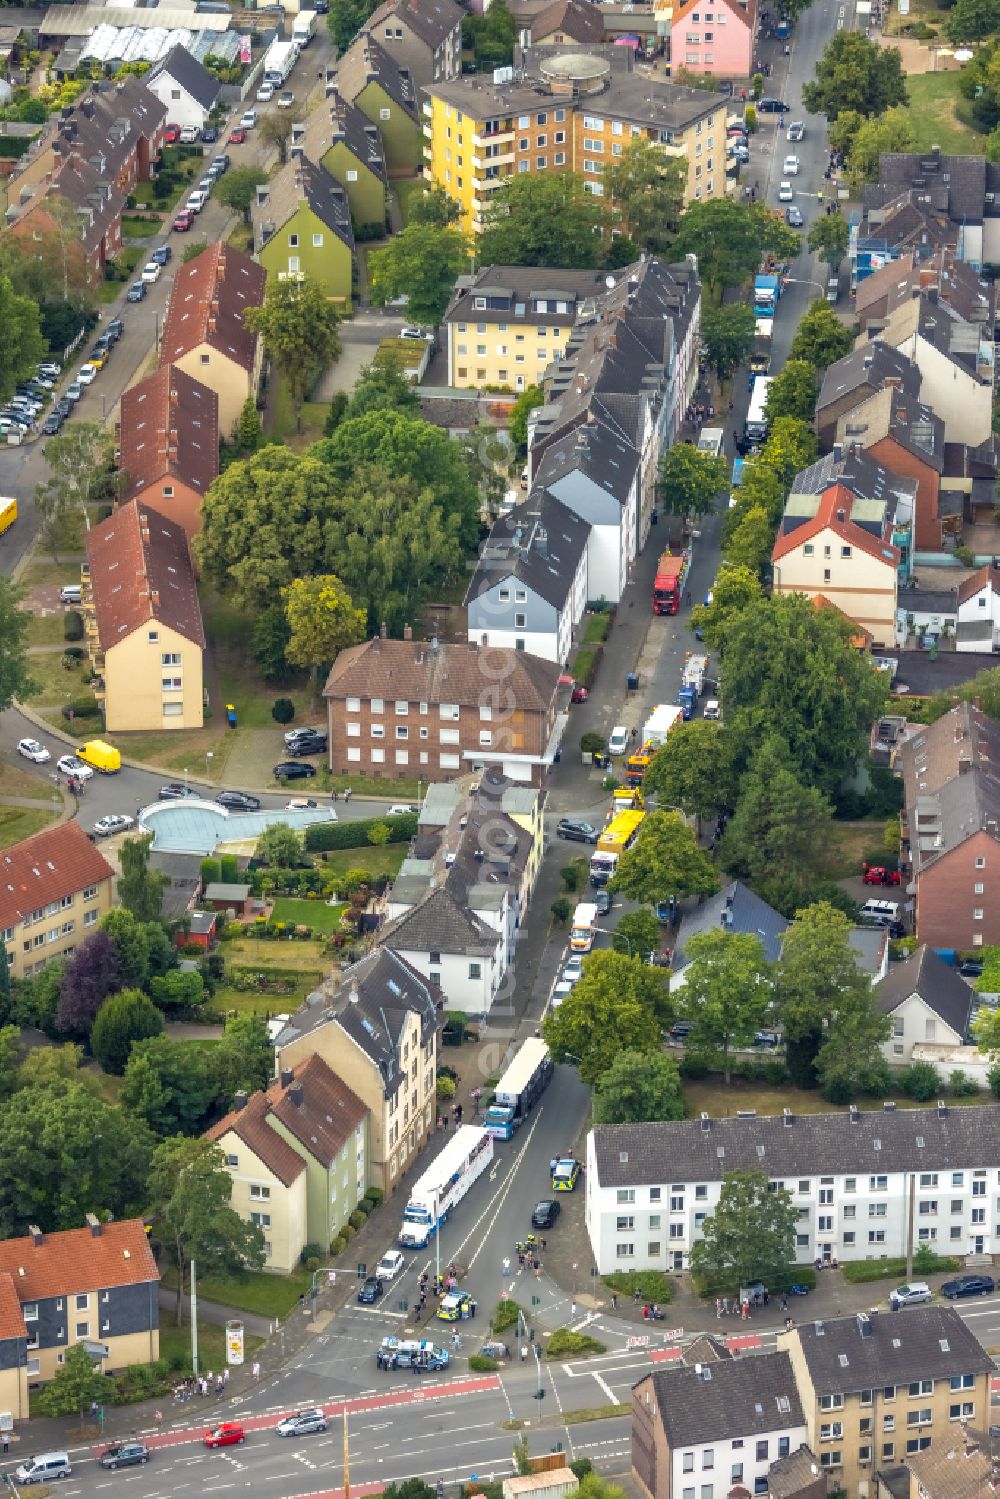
<point>361,1405</point>
<point>358,1491</point>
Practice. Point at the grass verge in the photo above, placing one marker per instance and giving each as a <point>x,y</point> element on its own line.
<point>45,629</point>
<point>261,1294</point>
<point>595,1413</point>
<point>20,822</point>
<point>859,1272</point>
<point>596,629</point>
<point>374,861</point>
<point>937,114</point>
<point>175,1344</point>
<point>711,1096</point>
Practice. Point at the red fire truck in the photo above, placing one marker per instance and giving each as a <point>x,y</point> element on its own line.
<point>668,585</point>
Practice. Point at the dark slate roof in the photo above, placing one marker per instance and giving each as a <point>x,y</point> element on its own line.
<point>922,600</point>
<point>736,909</point>
<point>938,984</point>
<point>955,185</point>
<point>793,1475</point>
<point>539,543</point>
<point>797,1145</point>
<point>857,470</point>
<point>302,181</point>
<point>866,368</point>
<point>441,924</point>
<point>872,1350</point>
<point>608,460</point>
<point>924,676</point>
<point>192,77</point>
<point>743,1397</point>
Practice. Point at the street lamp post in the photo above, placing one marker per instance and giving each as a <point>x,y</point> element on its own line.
<point>208,764</point>
<point>802,281</point>
<point>185,781</point>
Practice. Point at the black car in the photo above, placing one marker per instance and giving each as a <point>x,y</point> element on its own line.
<point>972,968</point>
<point>602,900</point>
<point>371,1291</point>
<point>576,832</point>
<point>63,407</point>
<point>125,1455</point>
<point>239,801</point>
<point>52,424</point>
<point>680,1029</point>
<point>308,744</point>
<point>173,791</point>
<point>545,1214</point>
<point>209,134</point>
<point>967,1285</point>
<point>772,107</point>
<point>115,329</point>
<point>294,770</point>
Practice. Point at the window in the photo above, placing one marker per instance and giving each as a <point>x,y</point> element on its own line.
<point>921,1417</point>
<point>83,1329</point>
<point>831,1402</point>
<point>708,1459</point>
<point>262,1220</point>
<point>317,241</point>
<point>963,1381</point>
<point>625,1225</point>
<point>475,970</point>
<point>29,1311</point>
<point>762,1451</point>
<point>830,1459</point>
<point>962,1412</point>
<point>830,1431</point>
<point>260,1194</point>
<point>625,1251</point>
<point>385,114</point>
<point>687,1458</point>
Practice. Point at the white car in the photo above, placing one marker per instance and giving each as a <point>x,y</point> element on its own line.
<point>785,193</point>
<point>390,1264</point>
<point>417,333</point>
<point>71,766</point>
<point>618,740</point>
<point>286,100</point>
<point>572,970</point>
<point>400,809</point>
<point>87,374</point>
<point>796,130</point>
<point>189,134</point>
<point>151,272</point>
<point>791,166</point>
<point>114,822</point>
<point>248,119</point>
<point>265,93</point>
<point>712,708</point>
<point>50,368</point>
<point>32,750</point>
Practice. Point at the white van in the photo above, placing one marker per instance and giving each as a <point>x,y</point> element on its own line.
<point>70,593</point>
<point>618,740</point>
<point>881,912</point>
<point>44,1466</point>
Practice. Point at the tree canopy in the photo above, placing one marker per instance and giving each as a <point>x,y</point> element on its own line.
<point>793,392</point>
<point>664,860</point>
<point>728,332</point>
<point>140,889</point>
<point>646,190</point>
<point>694,770</point>
<point>421,262</point>
<point>298,324</point>
<point>691,482</point>
<point>618,1003</point>
<point>237,189</point>
<point>542,219</point>
<point>821,338</point>
<point>322,621</point>
<point>779,821</point>
<point>15,678</point>
<point>639,1086</point>
<point>855,73</point>
<point>122,1019</point>
<point>726,993</point>
<point>21,341</point>
<point>750,1236</point>
<point>829,236</point>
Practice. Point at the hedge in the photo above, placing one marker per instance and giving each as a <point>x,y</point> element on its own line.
<point>325,836</point>
<point>652,1285</point>
<point>857,1272</point>
<point>566,1343</point>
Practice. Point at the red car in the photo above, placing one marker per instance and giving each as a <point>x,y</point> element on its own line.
<point>876,874</point>
<point>237,136</point>
<point>171,135</point>
<point>226,1434</point>
<point>183,221</point>
<point>579,694</point>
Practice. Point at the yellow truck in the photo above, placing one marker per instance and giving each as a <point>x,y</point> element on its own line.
<point>8,513</point>
<point>103,757</point>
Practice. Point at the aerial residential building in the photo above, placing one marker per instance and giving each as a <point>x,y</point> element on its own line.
<point>564,22</point>
<point>54,889</point>
<point>849,382</point>
<point>906,437</point>
<point>117,126</point>
<point>302,227</point>
<point>596,474</point>
<point>186,89</point>
<point>456,948</point>
<point>424,36</point>
<point>376,1026</point>
<point>649,1187</point>
<point>868,480</point>
<point>961,1467</point>
<point>348,144</point>
<point>955,359</point>
<point>940,201</point>
<point>877,1389</point>
<point>927,1001</point>
<point>76,188</point>
<point>168,443</point>
<point>98,1286</point>
<point>713,1429</point>
<point>298,1157</point>
<point>143,624</point>
<point>718,42</point>
<point>386,92</point>
<point>204,332</point>
<point>529,591</point>
<point>409,707</point>
<point>840,548</point>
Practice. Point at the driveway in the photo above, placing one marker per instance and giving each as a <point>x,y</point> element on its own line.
<point>359,340</point>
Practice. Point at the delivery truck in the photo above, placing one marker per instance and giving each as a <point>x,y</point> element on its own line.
<point>279,60</point>
<point>584,928</point>
<point>763,340</point>
<point>304,28</point>
<point>8,513</point>
<point>766,291</point>
<point>103,757</point>
<point>445,1182</point>
<point>523,1083</point>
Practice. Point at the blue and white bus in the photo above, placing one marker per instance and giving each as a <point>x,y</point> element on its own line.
<point>756,424</point>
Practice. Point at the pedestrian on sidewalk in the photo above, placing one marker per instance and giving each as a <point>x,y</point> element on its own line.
<point>614,1302</point>
<point>6,1442</point>
<point>572,1308</point>
<point>256,1369</point>
<point>225,1375</point>
<point>347,793</point>
<point>784,1303</point>
<point>524,1353</point>
<point>157,1419</point>
<point>506,1265</point>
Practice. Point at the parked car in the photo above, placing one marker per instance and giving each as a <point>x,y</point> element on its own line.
<point>189,134</point>
<point>602,902</point>
<point>308,744</point>
<point>371,1291</point>
<point>304,730</point>
<point>545,1214</point>
<point>114,330</point>
<point>209,134</point>
<point>618,740</point>
<point>579,694</point>
<point>566,1174</point>
<point>879,874</point>
<point>300,804</point>
<point>293,770</point>
<point>162,255</point>
<point>183,221</point>
<point>418,334</point>
<point>572,969</point>
<point>912,1294</point>
<point>99,356</point>
<point>74,391</point>
<point>576,832</point>
<point>680,1030</point>
<point>50,368</point>
<point>237,136</point>
<point>136,292</point>
<point>785,192</point>
<point>390,1265</point>
<point>772,107</point>
<point>967,1285</point>
<point>171,134</point>
<point>151,272</point>
<point>197,200</point>
<point>265,93</point>
<point>301,1423</point>
<point>239,801</point>
<point>114,822</point>
<point>286,99</point>
<point>174,791</point>
<point>32,750</point>
<point>793,217</point>
<point>226,1434</point>
<point>972,968</point>
<point>401,809</point>
<point>791,166</point>
<point>457,1306</point>
<point>248,119</point>
<point>69,765</point>
<point>52,424</point>
<point>125,1455</point>
<point>220,163</point>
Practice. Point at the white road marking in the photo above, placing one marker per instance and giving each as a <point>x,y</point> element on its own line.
<point>605,1387</point>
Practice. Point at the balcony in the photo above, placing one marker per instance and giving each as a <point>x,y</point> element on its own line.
<point>495,138</point>
<point>483,163</point>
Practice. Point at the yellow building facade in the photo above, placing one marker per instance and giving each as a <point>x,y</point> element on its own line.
<point>56,887</point>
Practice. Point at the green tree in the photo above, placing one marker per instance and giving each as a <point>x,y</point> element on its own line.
<point>726,992</point>
<point>829,236</point>
<point>542,219</point>
<point>858,74</point>
<point>691,482</point>
<point>790,669</point>
<point>65,1151</point>
<point>751,540</point>
<point>123,1018</point>
<point>381,385</point>
<point>434,206</point>
<point>280,846</point>
<point>269,641</point>
<point>56,1067</point>
<point>9,1036</point>
<point>21,341</point>
<point>821,338</point>
<point>345,19</point>
<point>646,190</point>
<point>972,21</point>
<point>263,525</point>
<point>490,37</point>
<point>169,1085</point>
<point>298,324</point>
<point>15,680</point>
<point>664,860</point>
<point>790,446</point>
<point>639,1086</point>
<point>793,392</point>
<point>617,1004</point>
<point>872,139</point>
<point>131,940</point>
<point>140,889</point>
<point>238,189</point>
<point>779,821</point>
<point>191,1192</point>
<point>751,1234</point>
<point>244,1058</point>
<point>695,769</point>
<point>35,1001</point>
<point>322,620</point>
<point>75,1386</point>
<point>177,990</point>
<point>79,459</point>
<point>727,333</point>
<point>249,434</point>
<point>421,262</point>
<point>727,238</point>
<point>528,401</point>
<point>5,985</point>
<point>275,129</point>
<point>736,589</point>
<point>638,935</point>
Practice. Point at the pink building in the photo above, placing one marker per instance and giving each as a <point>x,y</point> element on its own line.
<point>714,36</point>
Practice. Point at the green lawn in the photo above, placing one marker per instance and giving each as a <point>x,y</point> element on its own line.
<point>314,913</point>
<point>254,1291</point>
<point>42,570</point>
<point>20,822</point>
<point>56,683</point>
<point>406,191</point>
<point>281,417</point>
<point>376,861</point>
<point>596,629</point>
<point>46,629</point>
<point>936,114</point>
<point>136,228</point>
<point>711,1096</point>
<point>175,1343</point>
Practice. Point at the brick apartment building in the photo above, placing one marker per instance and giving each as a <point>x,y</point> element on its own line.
<point>169,444</point>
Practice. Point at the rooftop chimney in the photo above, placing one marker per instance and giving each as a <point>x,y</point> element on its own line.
<point>295,1095</point>
<point>407,632</point>
<point>94,1224</point>
<point>240,1100</point>
<point>287,1076</point>
<point>36,1233</point>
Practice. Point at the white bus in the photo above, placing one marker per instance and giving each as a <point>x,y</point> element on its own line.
<point>524,1080</point>
<point>445,1182</point>
<point>756,425</point>
<point>710,441</point>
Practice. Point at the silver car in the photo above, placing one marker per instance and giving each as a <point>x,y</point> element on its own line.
<point>912,1294</point>
<point>301,1423</point>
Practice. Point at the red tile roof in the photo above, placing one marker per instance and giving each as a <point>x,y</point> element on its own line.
<point>169,426</point>
<point>974,584</point>
<point>59,861</point>
<point>834,514</point>
<point>209,297</point>
<point>446,673</point>
<point>250,1125</point>
<point>11,1316</point>
<point>312,1103</point>
<point>77,1260</point>
<point>141,570</point>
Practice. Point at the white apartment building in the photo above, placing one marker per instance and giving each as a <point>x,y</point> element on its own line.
<point>852,1176</point>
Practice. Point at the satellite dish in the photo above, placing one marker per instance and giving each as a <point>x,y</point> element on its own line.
<point>609,282</point>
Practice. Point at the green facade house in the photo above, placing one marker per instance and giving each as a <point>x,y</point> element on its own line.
<point>349,145</point>
<point>302,227</point>
<point>372,80</point>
